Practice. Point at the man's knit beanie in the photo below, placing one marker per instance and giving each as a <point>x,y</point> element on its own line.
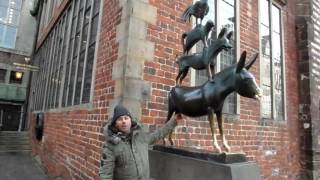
<point>118,111</point>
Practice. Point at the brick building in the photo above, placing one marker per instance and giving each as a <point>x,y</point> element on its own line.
<point>17,37</point>
<point>93,54</point>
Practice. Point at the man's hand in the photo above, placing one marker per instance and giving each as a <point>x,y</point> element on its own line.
<point>179,118</point>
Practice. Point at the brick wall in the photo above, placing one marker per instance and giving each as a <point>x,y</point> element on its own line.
<point>72,140</point>
<point>72,137</point>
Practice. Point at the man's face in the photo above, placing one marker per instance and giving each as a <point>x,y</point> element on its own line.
<point>123,124</point>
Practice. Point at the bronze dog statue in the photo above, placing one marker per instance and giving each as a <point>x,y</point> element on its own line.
<point>198,33</point>
<point>208,98</point>
<point>206,59</point>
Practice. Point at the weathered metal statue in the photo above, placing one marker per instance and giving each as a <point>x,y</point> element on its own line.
<point>196,34</point>
<point>205,59</point>
<point>208,98</point>
<point>198,10</point>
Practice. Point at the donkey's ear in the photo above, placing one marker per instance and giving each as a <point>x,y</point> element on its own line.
<point>222,32</point>
<point>248,65</point>
<point>241,62</point>
<point>229,35</point>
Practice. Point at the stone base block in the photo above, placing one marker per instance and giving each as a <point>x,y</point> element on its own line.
<point>169,164</point>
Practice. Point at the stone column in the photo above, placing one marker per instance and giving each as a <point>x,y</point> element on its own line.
<point>134,51</point>
<point>308,25</point>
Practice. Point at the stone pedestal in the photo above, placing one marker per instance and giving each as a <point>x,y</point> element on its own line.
<point>167,163</point>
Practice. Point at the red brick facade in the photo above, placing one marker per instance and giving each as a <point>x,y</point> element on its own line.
<point>73,136</point>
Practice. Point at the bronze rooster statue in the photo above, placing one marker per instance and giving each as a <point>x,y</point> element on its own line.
<point>198,10</point>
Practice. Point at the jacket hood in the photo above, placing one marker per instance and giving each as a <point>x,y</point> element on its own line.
<point>112,135</point>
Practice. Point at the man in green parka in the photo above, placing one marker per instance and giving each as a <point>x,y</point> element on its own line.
<point>125,151</point>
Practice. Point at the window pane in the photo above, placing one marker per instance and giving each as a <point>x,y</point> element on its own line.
<point>10,37</point>
<point>87,16</point>
<point>3,14</point>
<point>88,5</point>
<point>278,90</point>
<point>94,29</point>
<point>266,101</point>
<point>79,79</point>
<point>65,88</point>
<point>96,7</point>
<point>264,12</point>
<point>88,74</point>
<point>276,46</point>
<point>84,38</point>
<point>278,83</point>
<point>276,19</point>
<point>265,63</point>
<point>4,3</point>
<point>2,29</point>
<point>227,17</point>
<point>71,82</point>
<point>3,75</point>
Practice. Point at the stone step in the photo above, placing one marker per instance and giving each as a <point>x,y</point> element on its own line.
<point>13,134</point>
<point>15,150</point>
<point>14,138</point>
<point>22,147</point>
<point>10,142</point>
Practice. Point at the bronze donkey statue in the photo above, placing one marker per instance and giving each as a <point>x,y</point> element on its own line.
<point>198,33</point>
<point>206,59</point>
<point>208,98</point>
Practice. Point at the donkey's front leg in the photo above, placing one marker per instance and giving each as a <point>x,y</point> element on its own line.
<point>220,125</point>
<point>211,120</point>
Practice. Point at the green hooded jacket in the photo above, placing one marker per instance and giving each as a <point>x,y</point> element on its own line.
<point>126,157</point>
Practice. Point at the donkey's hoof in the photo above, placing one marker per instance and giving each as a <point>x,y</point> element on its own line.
<point>171,142</point>
<point>163,142</point>
<point>217,147</point>
<point>227,148</point>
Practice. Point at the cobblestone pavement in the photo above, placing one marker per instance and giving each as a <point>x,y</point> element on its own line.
<point>19,166</point>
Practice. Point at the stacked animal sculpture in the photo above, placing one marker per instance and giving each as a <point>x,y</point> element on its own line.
<point>205,59</point>
<point>208,99</point>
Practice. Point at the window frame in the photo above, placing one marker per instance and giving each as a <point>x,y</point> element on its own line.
<point>283,58</point>
<point>236,49</point>
<point>15,26</point>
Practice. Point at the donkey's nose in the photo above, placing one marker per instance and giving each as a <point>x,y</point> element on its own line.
<point>259,93</point>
